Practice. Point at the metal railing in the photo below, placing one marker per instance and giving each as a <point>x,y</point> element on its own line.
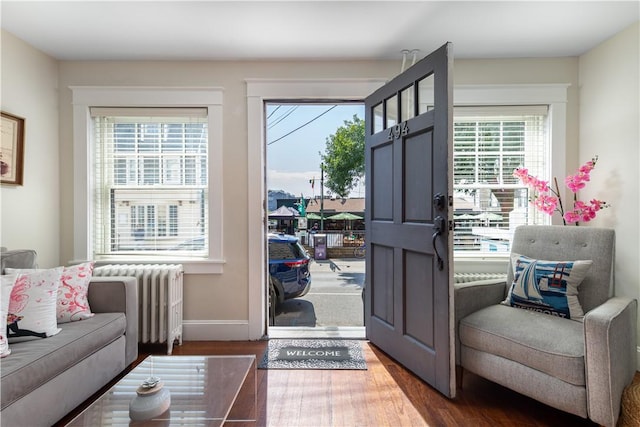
<point>338,239</point>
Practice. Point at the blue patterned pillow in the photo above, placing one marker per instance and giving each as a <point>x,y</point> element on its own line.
<point>549,287</point>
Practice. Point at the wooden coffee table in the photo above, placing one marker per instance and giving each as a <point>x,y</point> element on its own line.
<point>205,390</point>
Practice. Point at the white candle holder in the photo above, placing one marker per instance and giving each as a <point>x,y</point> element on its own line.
<point>151,400</point>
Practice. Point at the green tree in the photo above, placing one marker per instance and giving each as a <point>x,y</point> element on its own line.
<point>344,157</point>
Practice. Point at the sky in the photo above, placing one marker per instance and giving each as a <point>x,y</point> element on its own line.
<point>294,159</point>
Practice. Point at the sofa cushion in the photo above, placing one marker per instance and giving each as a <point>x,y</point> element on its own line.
<point>32,307</point>
<point>554,346</point>
<point>549,287</point>
<point>33,363</point>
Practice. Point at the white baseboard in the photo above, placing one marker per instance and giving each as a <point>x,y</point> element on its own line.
<point>215,330</point>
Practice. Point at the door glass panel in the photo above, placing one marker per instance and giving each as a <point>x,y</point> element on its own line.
<point>425,94</point>
<point>407,104</point>
<point>378,118</point>
<point>392,111</point>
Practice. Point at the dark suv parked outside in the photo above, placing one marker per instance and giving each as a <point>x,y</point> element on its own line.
<point>289,275</point>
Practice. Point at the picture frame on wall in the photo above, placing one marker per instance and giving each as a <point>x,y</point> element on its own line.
<point>11,149</point>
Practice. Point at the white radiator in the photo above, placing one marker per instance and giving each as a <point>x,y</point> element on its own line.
<point>472,277</point>
<point>159,300</point>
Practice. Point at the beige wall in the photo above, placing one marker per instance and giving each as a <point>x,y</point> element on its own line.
<point>610,128</point>
<point>212,301</point>
<point>40,214</point>
<point>30,214</point>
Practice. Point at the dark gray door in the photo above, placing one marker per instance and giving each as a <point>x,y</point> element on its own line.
<point>409,186</point>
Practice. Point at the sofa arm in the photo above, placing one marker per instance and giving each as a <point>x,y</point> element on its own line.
<point>472,296</point>
<point>118,295</point>
<point>610,356</point>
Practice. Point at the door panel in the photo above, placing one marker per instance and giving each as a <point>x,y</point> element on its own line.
<point>382,178</point>
<point>418,184</point>
<point>382,259</point>
<point>419,299</point>
<point>409,291</point>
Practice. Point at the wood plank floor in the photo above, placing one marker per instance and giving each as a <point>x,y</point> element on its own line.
<point>385,394</point>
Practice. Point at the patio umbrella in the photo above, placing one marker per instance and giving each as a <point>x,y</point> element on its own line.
<point>284,212</point>
<point>313,215</point>
<point>345,216</point>
<point>464,216</point>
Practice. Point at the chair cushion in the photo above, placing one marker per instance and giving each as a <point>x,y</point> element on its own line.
<point>549,344</point>
<point>549,287</point>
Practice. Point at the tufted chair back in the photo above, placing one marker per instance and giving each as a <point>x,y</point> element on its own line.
<point>570,243</point>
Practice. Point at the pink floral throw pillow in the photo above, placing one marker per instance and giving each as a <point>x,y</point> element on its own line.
<point>5,293</point>
<point>32,306</point>
<point>73,302</point>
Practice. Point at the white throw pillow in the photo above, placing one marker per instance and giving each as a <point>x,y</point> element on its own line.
<point>5,293</point>
<point>32,307</point>
<point>73,302</point>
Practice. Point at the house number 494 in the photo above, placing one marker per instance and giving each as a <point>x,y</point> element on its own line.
<point>398,130</point>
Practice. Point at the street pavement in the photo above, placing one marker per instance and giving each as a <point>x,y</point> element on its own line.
<point>335,297</point>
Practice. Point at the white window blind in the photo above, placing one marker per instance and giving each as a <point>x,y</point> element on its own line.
<point>151,185</point>
<point>489,143</point>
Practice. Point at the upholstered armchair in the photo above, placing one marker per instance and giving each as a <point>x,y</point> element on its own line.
<point>534,339</point>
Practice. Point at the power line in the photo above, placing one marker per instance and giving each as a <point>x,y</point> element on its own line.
<point>282,117</point>
<point>300,127</point>
<point>276,109</point>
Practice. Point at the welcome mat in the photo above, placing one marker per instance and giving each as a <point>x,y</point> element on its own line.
<point>313,354</point>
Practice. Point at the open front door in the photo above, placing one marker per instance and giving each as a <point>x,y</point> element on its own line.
<point>409,297</point>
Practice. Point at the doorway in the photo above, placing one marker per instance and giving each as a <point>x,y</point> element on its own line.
<point>260,91</point>
<point>313,209</point>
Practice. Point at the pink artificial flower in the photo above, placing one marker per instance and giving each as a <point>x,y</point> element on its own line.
<point>575,182</point>
<point>571,217</point>
<point>588,215</point>
<point>579,205</point>
<point>597,204</point>
<point>546,204</point>
<point>541,186</point>
<point>521,173</point>
<point>588,167</point>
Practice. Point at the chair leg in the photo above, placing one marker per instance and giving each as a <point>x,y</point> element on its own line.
<point>459,372</point>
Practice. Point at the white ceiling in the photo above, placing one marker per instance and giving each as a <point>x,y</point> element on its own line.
<point>270,30</point>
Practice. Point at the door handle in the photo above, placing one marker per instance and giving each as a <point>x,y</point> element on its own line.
<point>438,227</point>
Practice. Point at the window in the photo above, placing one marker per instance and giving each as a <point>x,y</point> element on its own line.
<point>159,186</point>
<point>151,173</point>
<point>488,144</point>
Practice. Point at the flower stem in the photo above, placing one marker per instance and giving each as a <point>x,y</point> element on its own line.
<point>555,181</point>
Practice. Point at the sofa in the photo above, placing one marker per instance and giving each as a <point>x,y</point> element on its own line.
<point>42,380</point>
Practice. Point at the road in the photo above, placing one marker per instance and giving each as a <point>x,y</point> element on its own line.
<point>335,298</point>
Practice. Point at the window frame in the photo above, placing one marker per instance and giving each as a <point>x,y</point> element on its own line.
<point>471,128</point>
<point>552,95</point>
<point>85,97</point>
